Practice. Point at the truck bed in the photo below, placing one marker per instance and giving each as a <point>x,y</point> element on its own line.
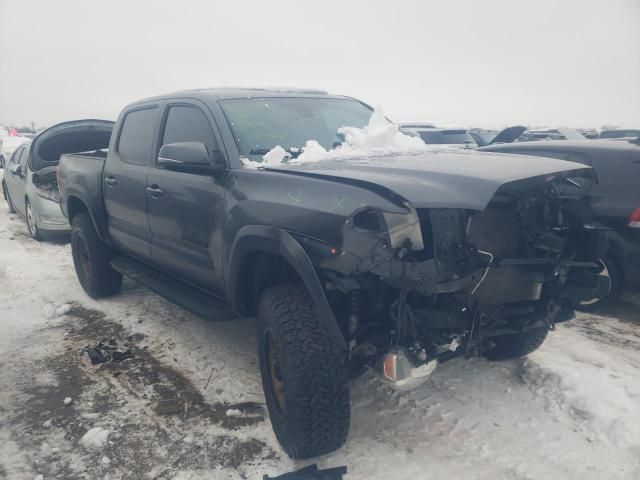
<point>81,173</point>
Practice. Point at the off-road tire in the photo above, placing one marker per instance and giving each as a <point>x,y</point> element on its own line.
<point>617,280</point>
<point>5,192</point>
<point>516,345</point>
<point>314,419</point>
<point>91,258</point>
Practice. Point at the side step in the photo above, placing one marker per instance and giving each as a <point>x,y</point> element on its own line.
<point>190,298</point>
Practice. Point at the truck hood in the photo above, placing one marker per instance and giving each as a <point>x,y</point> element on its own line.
<point>464,179</point>
<point>69,137</point>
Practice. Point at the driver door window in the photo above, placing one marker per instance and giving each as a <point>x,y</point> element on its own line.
<point>188,124</point>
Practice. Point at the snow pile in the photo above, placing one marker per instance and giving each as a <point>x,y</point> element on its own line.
<point>96,438</point>
<point>52,310</point>
<point>579,393</point>
<point>379,137</point>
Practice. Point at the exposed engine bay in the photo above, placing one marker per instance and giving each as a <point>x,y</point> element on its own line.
<point>415,289</point>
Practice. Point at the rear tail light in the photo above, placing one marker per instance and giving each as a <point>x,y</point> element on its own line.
<point>634,219</point>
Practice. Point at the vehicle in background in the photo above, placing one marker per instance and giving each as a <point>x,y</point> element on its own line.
<point>29,184</point>
<point>393,264</point>
<point>432,135</point>
<point>561,133</point>
<point>616,199</point>
<point>483,137</point>
<point>589,133</point>
<point>8,145</point>
<point>621,133</point>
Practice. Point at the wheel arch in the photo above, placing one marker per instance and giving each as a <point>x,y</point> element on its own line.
<point>75,204</point>
<point>261,249</point>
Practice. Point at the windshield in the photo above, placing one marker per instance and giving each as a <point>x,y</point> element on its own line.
<point>448,137</point>
<point>260,124</point>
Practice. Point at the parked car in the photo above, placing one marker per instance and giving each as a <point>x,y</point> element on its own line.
<point>562,133</point>
<point>395,263</point>
<point>621,133</point>
<point>430,134</point>
<point>482,136</point>
<point>616,200</point>
<point>29,184</point>
<point>590,133</point>
<point>8,145</point>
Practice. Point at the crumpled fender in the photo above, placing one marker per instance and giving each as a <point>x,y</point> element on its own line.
<point>265,238</point>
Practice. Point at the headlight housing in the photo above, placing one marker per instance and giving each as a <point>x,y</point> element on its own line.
<point>399,227</point>
<point>402,227</point>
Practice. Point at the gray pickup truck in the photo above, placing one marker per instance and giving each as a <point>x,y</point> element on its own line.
<point>388,263</point>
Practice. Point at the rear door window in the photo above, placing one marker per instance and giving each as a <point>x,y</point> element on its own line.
<point>188,124</point>
<point>136,136</point>
<point>23,160</point>
<point>15,157</point>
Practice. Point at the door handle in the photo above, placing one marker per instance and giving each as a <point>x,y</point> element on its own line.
<point>111,181</point>
<point>155,191</point>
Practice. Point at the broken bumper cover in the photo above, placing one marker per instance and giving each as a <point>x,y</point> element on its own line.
<point>400,373</point>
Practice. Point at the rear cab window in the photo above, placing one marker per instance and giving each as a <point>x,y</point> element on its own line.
<point>136,135</point>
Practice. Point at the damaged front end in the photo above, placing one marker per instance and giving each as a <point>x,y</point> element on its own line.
<point>422,287</point>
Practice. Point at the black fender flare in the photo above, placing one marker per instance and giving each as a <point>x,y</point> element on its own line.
<point>98,218</point>
<point>269,239</point>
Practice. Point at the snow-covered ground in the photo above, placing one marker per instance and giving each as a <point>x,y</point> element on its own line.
<point>189,405</point>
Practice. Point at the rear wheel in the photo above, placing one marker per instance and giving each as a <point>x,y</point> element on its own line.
<point>5,191</point>
<point>515,345</point>
<point>304,374</point>
<point>31,221</point>
<point>91,258</point>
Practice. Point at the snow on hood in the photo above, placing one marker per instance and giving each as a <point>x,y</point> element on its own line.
<point>379,138</point>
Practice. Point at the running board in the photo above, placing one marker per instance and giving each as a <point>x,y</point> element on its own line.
<point>190,298</point>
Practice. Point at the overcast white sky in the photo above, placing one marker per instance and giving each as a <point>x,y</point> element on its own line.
<point>479,63</point>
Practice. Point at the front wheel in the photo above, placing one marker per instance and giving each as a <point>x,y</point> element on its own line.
<point>91,258</point>
<point>304,374</point>
<point>32,225</point>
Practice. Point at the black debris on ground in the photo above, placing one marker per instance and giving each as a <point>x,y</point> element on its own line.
<point>107,350</point>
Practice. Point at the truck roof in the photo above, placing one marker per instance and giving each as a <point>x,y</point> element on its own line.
<point>225,93</point>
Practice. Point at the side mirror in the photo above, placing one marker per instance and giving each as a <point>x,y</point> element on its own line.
<point>190,156</point>
<point>16,169</point>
